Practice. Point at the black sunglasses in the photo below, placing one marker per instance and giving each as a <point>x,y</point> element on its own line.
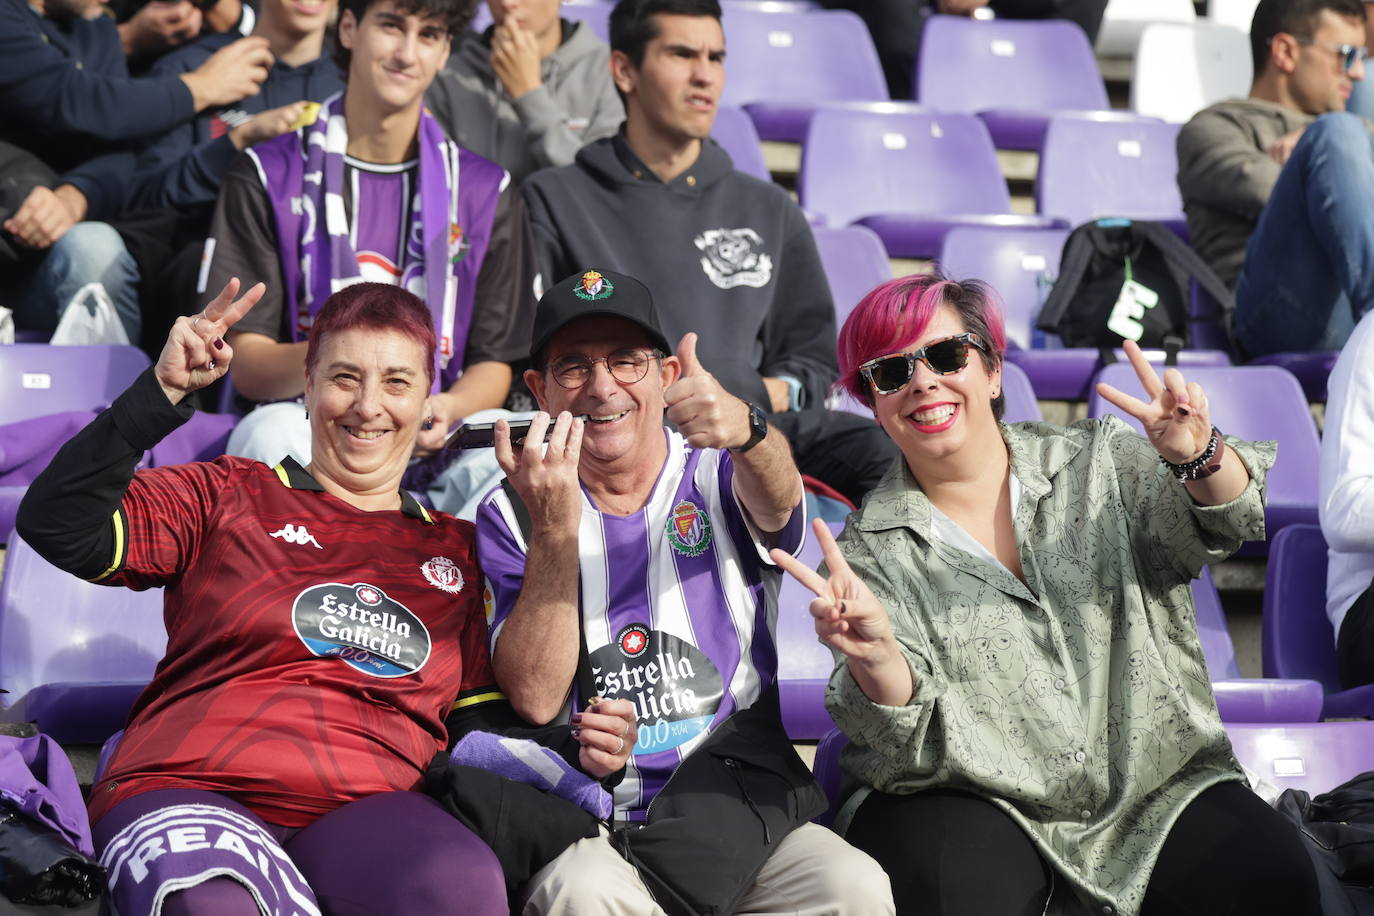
<point>889,374</point>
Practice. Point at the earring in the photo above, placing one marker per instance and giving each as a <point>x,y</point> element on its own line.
<point>428,423</point>
<point>307,413</point>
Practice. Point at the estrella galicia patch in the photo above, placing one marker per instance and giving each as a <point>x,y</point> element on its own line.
<point>688,529</point>
<point>362,626</point>
<point>675,688</point>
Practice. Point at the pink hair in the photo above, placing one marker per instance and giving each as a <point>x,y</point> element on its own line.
<point>376,306</point>
<point>894,316</point>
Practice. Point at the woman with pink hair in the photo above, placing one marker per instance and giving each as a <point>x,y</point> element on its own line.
<point>1031,724</point>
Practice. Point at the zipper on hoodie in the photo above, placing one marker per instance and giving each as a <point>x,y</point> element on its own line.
<point>744,790</point>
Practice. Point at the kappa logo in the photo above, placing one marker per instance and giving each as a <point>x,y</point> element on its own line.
<point>296,534</point>
<point>734,257</point>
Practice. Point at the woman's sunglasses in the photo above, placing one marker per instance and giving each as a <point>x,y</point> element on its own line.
<point>889,374</point>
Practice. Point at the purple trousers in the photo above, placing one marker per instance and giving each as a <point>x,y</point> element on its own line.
<point>177,852</point>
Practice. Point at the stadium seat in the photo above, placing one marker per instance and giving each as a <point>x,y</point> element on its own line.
<point>855,261</point>
<point>1313,756</point>
<point>1238,14</point>
<point>1298,641</point>
<point>1311,369</point>
<point>1012,73</point>
<point>1019,264</point>
<point>736,134</point>
<point>38,379</point>
<point>1246,699</point>
<point>597,16</point>
<point>73,655</point>
<point>1124,20</point>
<point>804,663</point>
<point>770,6</point>
<point>1181,68</point>
<point>908,176</point>
<point>1252,403</point>
<point>826,769</point>
<point>784,66</point>
<point>1091,169</point>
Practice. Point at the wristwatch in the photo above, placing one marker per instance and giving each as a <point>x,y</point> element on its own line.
<point>758,428</point>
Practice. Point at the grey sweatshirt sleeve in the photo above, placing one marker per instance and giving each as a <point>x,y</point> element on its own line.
<point>1219,165</point>
<point>799,336</point>
<point>544,114</point>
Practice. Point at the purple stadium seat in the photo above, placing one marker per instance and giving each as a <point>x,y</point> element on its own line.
<point>1091,169</point>
<point>804,664</point>
<point>73,655</point>
<point>1250,402</point>
<point>1246,699</point>
<point>1313,756</point>
<point>1019,264</point>
<point>597,16</point>
<point>826,769</point>
<point>736,134</point>
<point>855,261</point>
<point>1298,641</point>
<point>770,6</point>
<point>1067,374</point>
<point>39,379</point>
<point>1311,369</point>
<point>911,177</point>
<point>1014,74</point>
<point>783,66</point>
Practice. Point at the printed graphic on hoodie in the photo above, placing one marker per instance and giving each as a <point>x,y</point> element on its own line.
<point>734,257</point>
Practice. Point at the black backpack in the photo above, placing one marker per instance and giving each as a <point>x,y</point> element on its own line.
<point>1092,306</point>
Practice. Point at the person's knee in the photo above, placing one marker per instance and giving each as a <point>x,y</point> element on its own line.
<point>90,252</point>
<point>1335,135</point>
<point>271,432</point>
<point>857,884</point>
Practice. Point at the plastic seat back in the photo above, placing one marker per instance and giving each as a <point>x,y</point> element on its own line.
<point>38,379</point>
<point>1181,68</point>
<point>1091,169</point>
<point>736,134</point>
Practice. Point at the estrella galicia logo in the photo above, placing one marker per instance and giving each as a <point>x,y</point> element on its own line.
<point>674,686</point>
<point>363,626</point>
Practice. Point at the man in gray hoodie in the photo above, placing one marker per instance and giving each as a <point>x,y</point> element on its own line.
<point>529,91</point>
<point>726,255</point>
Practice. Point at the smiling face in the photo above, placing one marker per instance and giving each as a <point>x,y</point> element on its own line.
<point>672,94</point>
<point>936,416</point>
<point>624,431</point>
<point>395,55</point>
<point>366,397</point>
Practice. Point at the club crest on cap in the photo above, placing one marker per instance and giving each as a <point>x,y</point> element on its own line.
<point>593,286</point>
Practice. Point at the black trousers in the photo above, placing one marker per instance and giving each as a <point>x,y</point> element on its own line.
<point>1355,642</point>
<point>849,452</point>
<point>953,854</point>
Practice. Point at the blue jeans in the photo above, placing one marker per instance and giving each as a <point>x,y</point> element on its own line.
<point>87,253</point>
<point>1309,266</point>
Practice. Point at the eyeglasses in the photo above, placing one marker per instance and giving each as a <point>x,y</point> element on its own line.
<point>889,374</point>
<point>1349,55</point>
<point>625,366</point>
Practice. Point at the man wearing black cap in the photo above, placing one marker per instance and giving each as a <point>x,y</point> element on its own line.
<point>640,571</point>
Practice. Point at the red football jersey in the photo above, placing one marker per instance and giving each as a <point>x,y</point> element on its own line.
<point>313,648</point>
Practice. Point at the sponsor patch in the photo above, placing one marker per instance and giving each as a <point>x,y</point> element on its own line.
<point>362,626</point>
<point>689,529</point>
<point>674,687</point>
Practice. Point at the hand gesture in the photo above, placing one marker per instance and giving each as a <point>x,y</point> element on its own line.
<point>1176,420</point>
<point>266,125</point>
<point>1282,148</point>
<point>196,353</point>
<point>159,25</point>
<point>607,734</point>
<point>515,59</point>
<point>234,72</point>
<point>847,615</point>
<point>545,477</point>
<point>706,414</point>
<point>45,216</point>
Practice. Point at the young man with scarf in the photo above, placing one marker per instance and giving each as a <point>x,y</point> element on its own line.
<point>372,189</point>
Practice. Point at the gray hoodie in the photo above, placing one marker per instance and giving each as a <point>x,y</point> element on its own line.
<point>724,254</point>
<point>546,127</point>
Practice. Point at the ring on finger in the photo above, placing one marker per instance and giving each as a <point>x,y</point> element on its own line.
<point>194,321</point>
<point>626,731</point>
<point>620,748</point>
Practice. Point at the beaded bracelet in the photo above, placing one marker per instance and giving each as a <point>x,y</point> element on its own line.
<point>1200,466</point>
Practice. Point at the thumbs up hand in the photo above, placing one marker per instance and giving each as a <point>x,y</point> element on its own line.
<point>706,414</point>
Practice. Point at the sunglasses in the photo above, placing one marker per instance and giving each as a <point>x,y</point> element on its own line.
<point>889,374</point>
<point>1348,55</point>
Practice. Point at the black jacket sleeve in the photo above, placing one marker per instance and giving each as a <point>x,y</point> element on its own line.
<point>71,513</point>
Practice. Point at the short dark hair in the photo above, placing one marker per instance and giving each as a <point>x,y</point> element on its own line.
<point>376,307</point>
<point>1295,17</point>
<point>633,24</point>
<point>455,14</point>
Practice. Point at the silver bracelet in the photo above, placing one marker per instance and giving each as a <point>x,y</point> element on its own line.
<point>1201,466</point>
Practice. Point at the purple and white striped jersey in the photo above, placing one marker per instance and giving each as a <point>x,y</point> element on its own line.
<point>679,606</point>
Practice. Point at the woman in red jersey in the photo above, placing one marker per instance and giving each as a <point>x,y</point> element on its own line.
<point>321,626</point>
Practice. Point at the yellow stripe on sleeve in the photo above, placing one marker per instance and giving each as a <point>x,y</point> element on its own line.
<point>488,697</point>
<point>119,548</point>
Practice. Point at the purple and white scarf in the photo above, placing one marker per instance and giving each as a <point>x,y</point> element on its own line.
<point>328,261</point>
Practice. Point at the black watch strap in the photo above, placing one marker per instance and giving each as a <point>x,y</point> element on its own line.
<point>758,428</point>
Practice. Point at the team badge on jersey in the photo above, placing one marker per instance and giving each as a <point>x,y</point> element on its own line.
<point>689,530</point>
<point>362,626</point>
<point>593,286</point>
<point>443,574</point>
<point>457,243</point>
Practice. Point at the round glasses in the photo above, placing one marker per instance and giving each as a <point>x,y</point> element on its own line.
<point>889,374</point>
<point>625,366</point>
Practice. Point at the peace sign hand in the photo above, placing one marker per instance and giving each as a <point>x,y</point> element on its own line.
<point>1176,420</point>
<point>196,353</point>
<point>847,615</point>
